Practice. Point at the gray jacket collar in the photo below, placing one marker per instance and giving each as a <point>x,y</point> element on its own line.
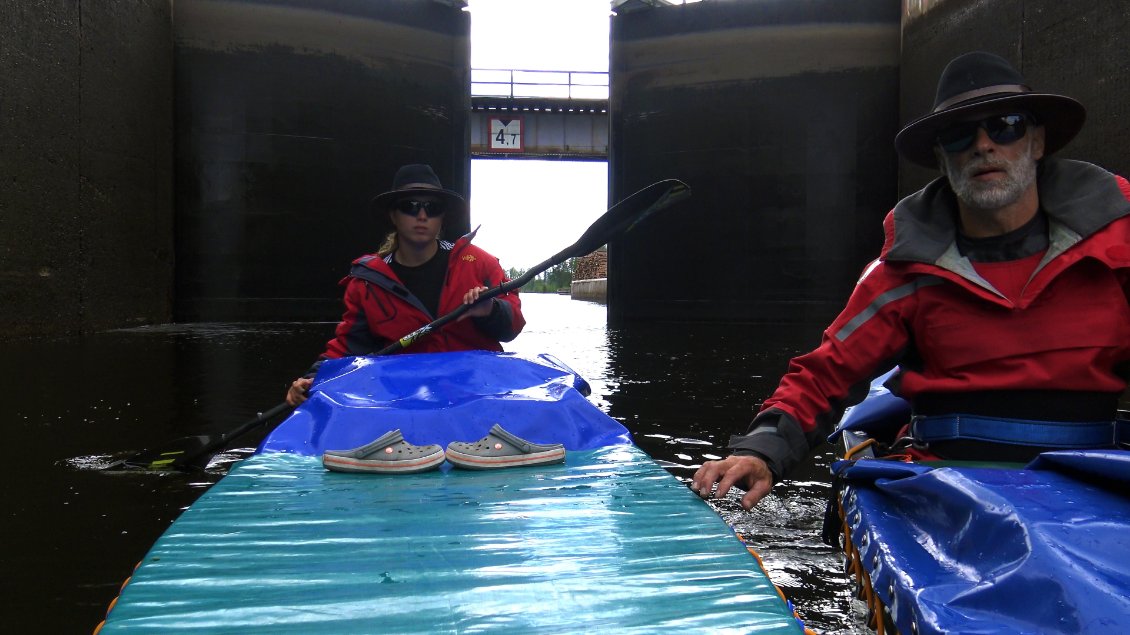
<point>1079,199</point>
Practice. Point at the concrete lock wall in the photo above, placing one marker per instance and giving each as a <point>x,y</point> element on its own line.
<point>779,114</point>
<point>290,117</point>
<point>1071,47</point>
<point>86,117</point>
<point>593,290</point>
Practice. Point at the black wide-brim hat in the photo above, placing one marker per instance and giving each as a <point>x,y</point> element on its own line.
<point>414,180</point>
<point>982,81</point>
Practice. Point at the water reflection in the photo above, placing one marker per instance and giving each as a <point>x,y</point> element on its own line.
<point>74,534</point>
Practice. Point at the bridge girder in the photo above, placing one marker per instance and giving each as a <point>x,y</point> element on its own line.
<point>539,128</point>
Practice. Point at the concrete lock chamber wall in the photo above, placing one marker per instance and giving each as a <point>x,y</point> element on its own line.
<point>780,116</point>
<point>290,117</point>
<point>86,119</point>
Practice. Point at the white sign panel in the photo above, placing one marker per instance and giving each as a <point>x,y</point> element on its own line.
<point>506,134</point>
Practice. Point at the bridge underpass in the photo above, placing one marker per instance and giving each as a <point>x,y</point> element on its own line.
<point>520,114</point>
<point>546,115</point>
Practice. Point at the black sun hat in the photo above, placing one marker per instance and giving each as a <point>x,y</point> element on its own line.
<point>977,81</point>
<point>413,180</point>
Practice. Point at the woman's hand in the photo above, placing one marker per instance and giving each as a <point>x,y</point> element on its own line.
<point>482,309</point>
<point>298,389</point>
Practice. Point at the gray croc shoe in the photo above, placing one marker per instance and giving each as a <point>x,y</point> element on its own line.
<point>499,448</point>
<point>390,454</point>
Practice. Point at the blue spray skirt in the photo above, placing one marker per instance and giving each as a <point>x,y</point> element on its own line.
<point>955,549</point>
<point>607,542</point>
<point>444,397</point>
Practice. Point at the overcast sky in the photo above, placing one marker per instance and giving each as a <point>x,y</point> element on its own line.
<point>530,210</point>
<point>559,35</point>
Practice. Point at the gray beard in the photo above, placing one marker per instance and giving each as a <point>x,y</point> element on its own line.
<point>1021,174</point>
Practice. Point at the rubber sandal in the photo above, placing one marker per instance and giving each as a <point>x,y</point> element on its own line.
<point>500,448</point>
<point>389,454</point>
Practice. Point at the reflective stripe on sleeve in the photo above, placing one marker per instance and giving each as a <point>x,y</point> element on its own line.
<point>883,300</point>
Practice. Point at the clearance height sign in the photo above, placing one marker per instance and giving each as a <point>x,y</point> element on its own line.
<point>506,134</point>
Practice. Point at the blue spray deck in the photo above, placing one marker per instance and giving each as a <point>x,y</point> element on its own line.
<point>963,549</point>
<point>608,542</point>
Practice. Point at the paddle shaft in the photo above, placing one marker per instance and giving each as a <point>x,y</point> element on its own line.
<point>505,287</point>
<point>260,419</point>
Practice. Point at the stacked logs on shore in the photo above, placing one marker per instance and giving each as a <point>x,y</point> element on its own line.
<point>592,266</point>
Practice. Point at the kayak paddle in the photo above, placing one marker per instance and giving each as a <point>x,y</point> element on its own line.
<point>186,451</point>
<point>621,217</point>
<point>617,220</point>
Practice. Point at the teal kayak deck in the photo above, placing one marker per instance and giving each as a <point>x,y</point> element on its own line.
<point>608,542</point>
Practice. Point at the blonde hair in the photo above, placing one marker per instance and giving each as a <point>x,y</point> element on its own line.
<point>389,245</point>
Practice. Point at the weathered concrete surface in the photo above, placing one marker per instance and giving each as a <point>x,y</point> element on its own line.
<point>1072,47</point>
<point>593,289</point>
<point>290,118</point>
<point>779,115</point>
<point>86,116</point>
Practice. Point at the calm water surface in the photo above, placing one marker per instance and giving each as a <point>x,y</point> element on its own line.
<point>72,533</point>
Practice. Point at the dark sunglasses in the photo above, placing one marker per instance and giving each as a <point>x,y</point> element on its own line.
<point>412,208</point>
<point>1002,129</point>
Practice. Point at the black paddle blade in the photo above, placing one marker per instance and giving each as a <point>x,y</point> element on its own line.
<point>174,455</point>
<point>189,452</point>
<point>624,215</point>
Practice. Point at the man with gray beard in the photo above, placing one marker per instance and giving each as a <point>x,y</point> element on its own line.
<point>1000,295</point>
<point>1017,178</point>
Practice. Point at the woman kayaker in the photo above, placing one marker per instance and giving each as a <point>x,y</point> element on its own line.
<point>423,270</point>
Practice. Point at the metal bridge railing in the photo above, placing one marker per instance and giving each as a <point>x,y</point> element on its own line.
<point>513,83</point>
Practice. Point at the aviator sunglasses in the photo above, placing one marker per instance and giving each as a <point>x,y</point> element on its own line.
<point>1002,130</point>
<point>412,208</point>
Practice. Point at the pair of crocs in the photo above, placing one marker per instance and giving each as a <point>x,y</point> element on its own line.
<point>391,454</point>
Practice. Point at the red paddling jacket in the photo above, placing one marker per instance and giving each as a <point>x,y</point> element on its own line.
<point>923,306</point>
<point>379,309</point>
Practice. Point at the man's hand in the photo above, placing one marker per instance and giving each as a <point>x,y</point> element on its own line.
<point>746,472</point>
<point>297,392</point>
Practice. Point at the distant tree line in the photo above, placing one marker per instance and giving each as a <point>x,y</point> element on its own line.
<point>549,281</point>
